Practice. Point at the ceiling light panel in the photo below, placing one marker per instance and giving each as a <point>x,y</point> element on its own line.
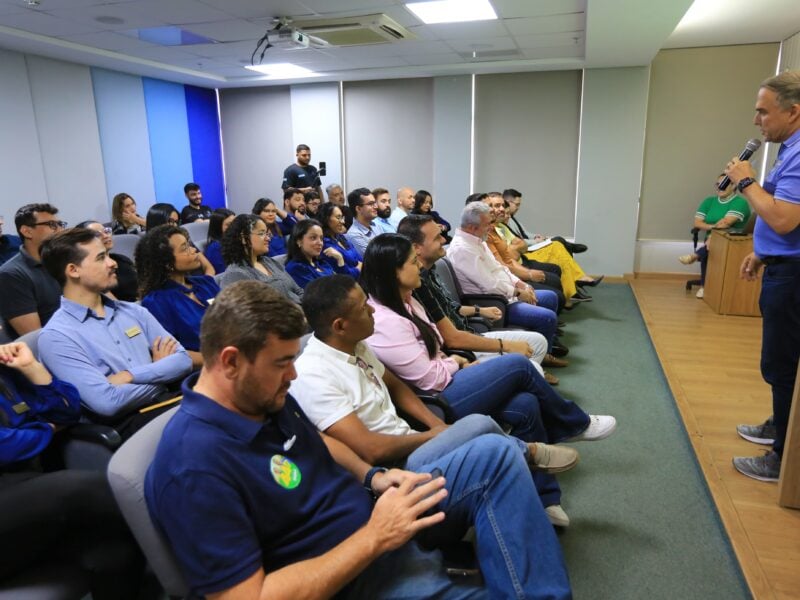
<point>452,11</point>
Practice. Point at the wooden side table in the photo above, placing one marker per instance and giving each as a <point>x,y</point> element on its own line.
<point>725,292</point>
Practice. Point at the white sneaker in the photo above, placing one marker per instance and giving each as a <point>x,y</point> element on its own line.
<point>600,427</point>
<point>700,293</point>
<point>557,515</point>
<point>688,259</point>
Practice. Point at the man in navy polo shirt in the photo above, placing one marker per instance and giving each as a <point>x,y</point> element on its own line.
<point>302,174</point>
<point>253,499</point>
<point>776,242</point>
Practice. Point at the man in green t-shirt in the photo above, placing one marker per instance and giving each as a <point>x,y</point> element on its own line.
<point>726,210</point>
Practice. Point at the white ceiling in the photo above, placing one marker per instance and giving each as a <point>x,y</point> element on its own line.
<point>537,34</point>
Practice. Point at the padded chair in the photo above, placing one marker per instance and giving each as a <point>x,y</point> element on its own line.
<point>198,232</point>
<point>50,581</point>
<point>125,244</point>
<point>695,239</point>
<point>126,473</point>
<point>448,276</point>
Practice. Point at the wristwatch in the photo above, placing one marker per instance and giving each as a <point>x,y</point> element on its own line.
<point>744,183</point>
<point>370,474</point>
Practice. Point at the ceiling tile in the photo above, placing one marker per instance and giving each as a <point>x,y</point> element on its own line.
<point>434,59</point>
<point>161,53</point>
<point>223,49</point>
<point>234,30</point>
<point>554,24</point>
<point>131,17</point>
<point>46,24</point>
<point>258,9</point>
<point>576,51</point>
<point>369,62</point>
<point>482,44</point>
<point>108,40</point>
<point>179,12</point>
<point>549,40</point>
<point>362,6</point>
<point>509,9</point>
<point>475,29</point>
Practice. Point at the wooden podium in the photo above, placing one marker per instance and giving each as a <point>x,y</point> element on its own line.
<point>789,485</point>
<point>725,292</point>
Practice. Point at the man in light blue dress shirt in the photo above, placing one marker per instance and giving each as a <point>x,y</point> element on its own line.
<point>118,356</point>
<point>365,211</point>
<point>776,244</point>
<point>384,210</point>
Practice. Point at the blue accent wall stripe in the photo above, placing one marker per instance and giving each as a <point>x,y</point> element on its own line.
<point>168,129</point>
<point>206,148</point>
<point>125,144</point>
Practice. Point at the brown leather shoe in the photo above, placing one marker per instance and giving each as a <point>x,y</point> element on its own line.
<point>552,361</point>
<point>550,378</point>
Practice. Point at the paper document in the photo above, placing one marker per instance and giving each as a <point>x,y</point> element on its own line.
<point>538,245</point>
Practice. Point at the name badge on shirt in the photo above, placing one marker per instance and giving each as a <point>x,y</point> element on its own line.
<point>133,331</point>
<point>21,407</point>
<point>284,472</point>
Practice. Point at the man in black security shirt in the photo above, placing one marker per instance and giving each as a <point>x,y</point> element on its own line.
<point>195,210</point>
<point>303,175</point>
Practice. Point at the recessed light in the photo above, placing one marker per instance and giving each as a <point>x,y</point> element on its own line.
<point>452,11</point>
<point>282,70</point>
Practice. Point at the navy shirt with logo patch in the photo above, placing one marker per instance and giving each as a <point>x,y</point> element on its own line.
<point>232,494</point>
<point>300,177</point>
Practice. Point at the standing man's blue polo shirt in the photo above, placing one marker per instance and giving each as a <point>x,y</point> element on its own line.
<point>177,312</point>
<point>233,494</point>
<point>783,182</point>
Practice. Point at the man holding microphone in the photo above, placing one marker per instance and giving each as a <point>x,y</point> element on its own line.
<point>777,249</point>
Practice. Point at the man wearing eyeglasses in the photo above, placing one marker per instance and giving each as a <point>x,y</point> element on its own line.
<point>30,295</point>
<point>365,210</point>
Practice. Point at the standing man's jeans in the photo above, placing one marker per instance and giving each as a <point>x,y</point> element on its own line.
<point>780,344</point>
<point>540,317</point>
<point>489,487</point>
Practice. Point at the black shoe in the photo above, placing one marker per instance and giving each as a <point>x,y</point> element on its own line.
<point>591,283</point>
<point>559,331</point>
<point>580,297</point>
<point>559,350</point>
<point>561,323</point>
<point>578,248</point>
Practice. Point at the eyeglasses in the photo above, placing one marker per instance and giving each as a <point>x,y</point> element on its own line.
<point>263,234</point>
<point>373,203</point>
<point>186,249</point>
<point>54,225</point>
<point>339,217</point>
<point>107,230</point>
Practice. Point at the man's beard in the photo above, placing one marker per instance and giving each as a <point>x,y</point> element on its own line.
<point>385,214</point>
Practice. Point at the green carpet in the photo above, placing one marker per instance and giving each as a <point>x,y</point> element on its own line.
<point>644,525</point>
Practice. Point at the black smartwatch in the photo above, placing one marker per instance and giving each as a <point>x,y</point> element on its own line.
<point>370,474</point>
<point>744,183</point>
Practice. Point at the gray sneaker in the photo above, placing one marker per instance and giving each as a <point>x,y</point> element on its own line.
<point>758,434</point>
<point>763,468</point>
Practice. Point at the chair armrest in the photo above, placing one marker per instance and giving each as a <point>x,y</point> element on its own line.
<point>99,434</point>
<point>433,399</point>
<point>495,300</point>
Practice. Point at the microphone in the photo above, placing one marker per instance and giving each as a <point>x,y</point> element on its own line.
<point>749,148</point>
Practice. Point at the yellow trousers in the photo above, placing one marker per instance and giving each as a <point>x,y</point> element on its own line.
<point>556,254</point>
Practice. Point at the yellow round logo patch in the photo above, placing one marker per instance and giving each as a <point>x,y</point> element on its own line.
<point>285,472</point>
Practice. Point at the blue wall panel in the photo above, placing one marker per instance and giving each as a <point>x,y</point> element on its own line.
<point>206,148</point>
<point>168,127</point>
<point>122,121</point>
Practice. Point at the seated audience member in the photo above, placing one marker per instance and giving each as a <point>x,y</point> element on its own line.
<point>448,314</point>
<point>312,202</point>
<point>294,210</point>
<point>220,219</point>
<point>423,205</point>
<point>365,210</point>
<point>311,529</point>
<point>29,295</point>
<point>244,248</point>
<point>508,387</point>
<point>514,200</point>
<point>162,213</point>
<point>166,214</point>
<point>67,517</point>
<point>127,287</point>
<point>195,210</point>
<point>724,210</point>
<point>348,394</point>
<point>333,231</point>
<point>478,272</point>
<point>405,204</point>
<point>336,196</point>
<point>9,244</point>
<point>165,258</point>
<point>570,271</point>
<point>268,211</point>
<point>124,218</point>
<point>116,353</point>
<point>306,247</point>
<point>383,207</point>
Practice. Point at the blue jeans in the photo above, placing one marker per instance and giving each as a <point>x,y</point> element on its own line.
<point>702,256</point>
<point>540,317</point>
<point>489,487</point>
<point>780,340</point>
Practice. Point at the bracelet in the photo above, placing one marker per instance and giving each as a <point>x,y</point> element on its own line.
<point>370,474</point>
<point>477,311</point>
<point>502,350</point>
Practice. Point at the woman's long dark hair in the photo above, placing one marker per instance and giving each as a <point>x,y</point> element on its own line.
<point>419,200</point>
<point>293,251</point>
<point>384,255</point>
<point>155,260</point>
<point>159,214</point>
<point>215,224</point>
<point>236,246</point>
<point>258,208</point>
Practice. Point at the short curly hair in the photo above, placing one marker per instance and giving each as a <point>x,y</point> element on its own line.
<point>236,245</point>
<point>155,259</point>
